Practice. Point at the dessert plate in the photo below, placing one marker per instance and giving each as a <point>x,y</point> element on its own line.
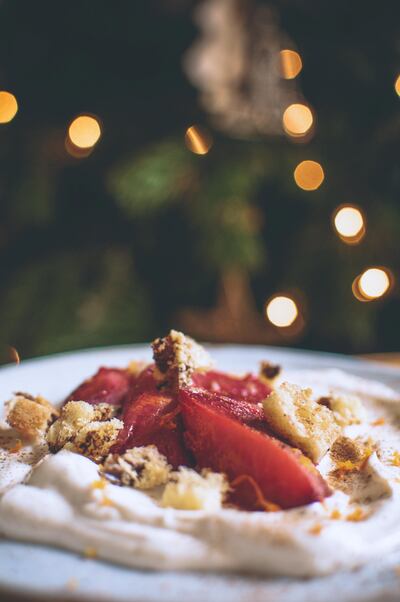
<point>29,572</point>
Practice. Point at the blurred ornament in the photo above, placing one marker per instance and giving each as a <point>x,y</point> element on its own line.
<point>84,131</point>
<point>349,223</point>
<point>291,63</point>
<point>8,106</point>
<point>198,140</point>
<point>281,311</point>
<point>297,119</point>
<point>397,85</point>
<point>236,65</point>
<point>372,284</point>
<point>309,175</point>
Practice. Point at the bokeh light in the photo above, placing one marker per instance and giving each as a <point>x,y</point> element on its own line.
<point>349,223</point>
<point>84,131</point>
<point>198,140</point>
<point>309,175</point>
<point>297,120</point>
<point>281,311</point>
<point>291,63</point>
<point>374,283</point>
<point>397,85</point>
<point>8,106</point>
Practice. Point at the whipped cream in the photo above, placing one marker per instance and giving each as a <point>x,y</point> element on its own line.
<point>59,504</point>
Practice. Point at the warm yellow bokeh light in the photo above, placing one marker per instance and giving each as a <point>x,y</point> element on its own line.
<point>349,223</point>
<point>309,175</point>
<point>281,311</point>
<point>198,140</point>
<point>8,106</point>
<point>291,63</point>
<point>84,131</point>
<point>297,119</point>
<point>397,85</point>
<point>374,283</point>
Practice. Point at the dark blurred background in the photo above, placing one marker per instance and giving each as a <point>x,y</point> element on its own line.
<point>202,186</point>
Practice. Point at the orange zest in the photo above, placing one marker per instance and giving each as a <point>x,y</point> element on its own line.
<point>356,516</point>
<point>335,514</point>
<point>99,484</point>
<point>315,529</point>
<point>395,459</point>
<point>168,421</point>
<point>16,447</point>
<point>378,422</point>
<point>90,552</point>
<point>261,501</point>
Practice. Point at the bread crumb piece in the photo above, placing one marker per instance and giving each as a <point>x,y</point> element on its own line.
<point>30,415</point>
<point>315,529</point>
<point>141,467</point>
<point>189,490</point>
<point>84,429</point>
<point>176,357</point>
<point>347,409</point>
<point>292,414</point>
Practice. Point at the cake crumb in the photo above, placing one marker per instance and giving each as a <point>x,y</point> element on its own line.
<point>29,415</point>
<point>141,467</point>
<point>176,357</point>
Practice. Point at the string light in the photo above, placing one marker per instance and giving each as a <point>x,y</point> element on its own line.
<point>84,131</point>
<point>8,106</point>
<point>309,175</point>
<point>297,120</point>
<point>397,85</point>
<point>281,311</point>
<point>291,63</point>
<point>198,140</point>
<point>349,223</point>
<point>372,284</point>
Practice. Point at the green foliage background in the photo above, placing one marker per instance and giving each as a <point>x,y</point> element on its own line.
<point>107,249</point>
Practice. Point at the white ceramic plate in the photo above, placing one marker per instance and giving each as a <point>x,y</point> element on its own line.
<point>30,571</point>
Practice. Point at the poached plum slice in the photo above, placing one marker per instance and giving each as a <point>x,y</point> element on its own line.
<point>281,474</point>
<point>246,388</point>
<point>153,418</point>
<point>108,385</point>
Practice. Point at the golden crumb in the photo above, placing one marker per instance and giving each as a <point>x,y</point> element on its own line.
<point>315,529</point>
<point>176,357</point>
<point>189,490</point>
<point>347,409</point>
<point>378,422</point>
<point>90,552</point>
<point>30,415</point>
<point>335,514</point>
<point>292,414</point>
<point>357,515</point>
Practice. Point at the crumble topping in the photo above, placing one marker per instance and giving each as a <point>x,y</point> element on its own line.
<point>189,490</point>
<point>30,415</point>
<point>141,467</point>
<point>347,409</point>
<point>292,414</point>
<point>176,357</point>
<point>85,429</point>
<point>269,371</point>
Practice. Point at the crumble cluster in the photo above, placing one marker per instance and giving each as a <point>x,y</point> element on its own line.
<point>29,415</point>
<point>141,467</point>
<point>189,490</point>
<point>85,429</point>
<point>176,357</point>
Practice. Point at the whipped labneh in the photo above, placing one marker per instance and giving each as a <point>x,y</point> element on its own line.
<point>61,499</point>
